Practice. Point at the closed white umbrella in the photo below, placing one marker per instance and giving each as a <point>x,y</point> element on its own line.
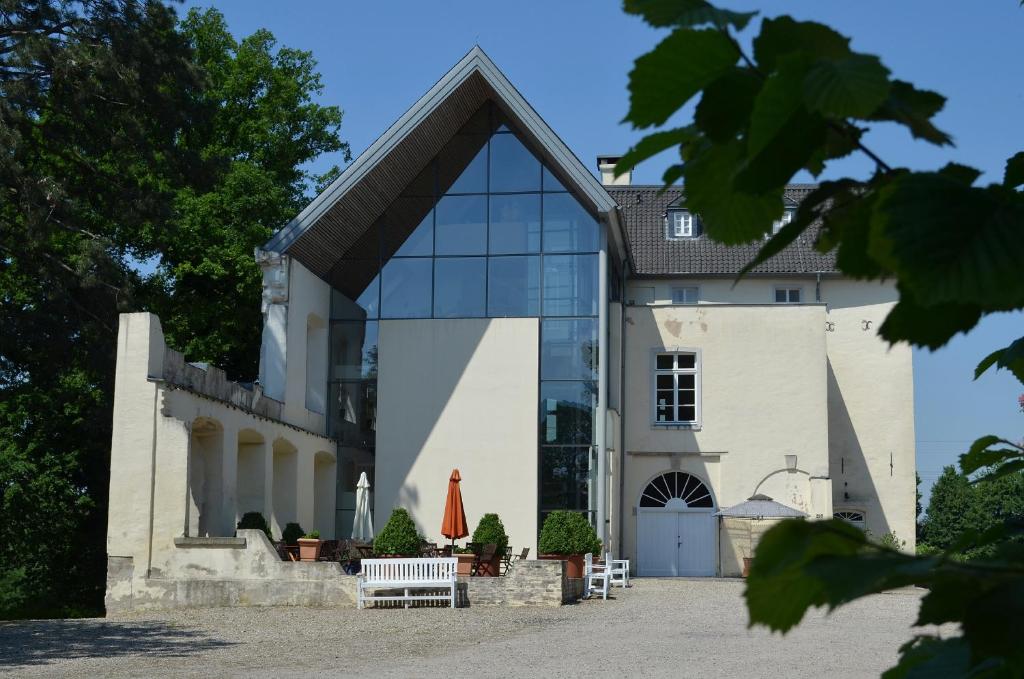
<point>362,526</point>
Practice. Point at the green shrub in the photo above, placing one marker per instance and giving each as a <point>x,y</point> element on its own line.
<point>491,530</point>
<point>566,532</point>
<point>255,521</point>
<point>313,535</point>
<point>399,535</point>
<point>892,541</point>
<point>291,534</point>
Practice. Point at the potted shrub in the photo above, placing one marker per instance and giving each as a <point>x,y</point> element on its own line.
<point>255,520</point>
<point>568,536</point>
<point>309,546</point>
<point>466,557</point>
<point>291,534</point>
<point>490,530</point>
<point>399,536</point>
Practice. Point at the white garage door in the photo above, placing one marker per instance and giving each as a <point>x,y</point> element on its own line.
<point>676,528</point>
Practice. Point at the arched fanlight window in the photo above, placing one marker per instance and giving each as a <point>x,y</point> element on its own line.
<point>852,518</point>
<point>676,486</point>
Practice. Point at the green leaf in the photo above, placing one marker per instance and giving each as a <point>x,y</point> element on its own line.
<point>652,145</point>
<point>914,109</point>
<point>1014,174</point>
<point>672,174</point>
<point>1011,358</point>
<point>928,657</point>
<point>686,13</point>
<point>725,107</point>
<point>730,216</point>
<point>950,243</point>
<point>853,86</point>
<point>927,326</point>
<point>776,104</point>
<point>784,36</point>
<point>964,174</point>
<point>679,67</point>
<point>846,227</point>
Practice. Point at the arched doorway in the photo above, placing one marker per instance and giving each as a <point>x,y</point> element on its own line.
<point>675,527</point>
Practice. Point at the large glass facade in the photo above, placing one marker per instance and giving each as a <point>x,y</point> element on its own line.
<point>485,230</point>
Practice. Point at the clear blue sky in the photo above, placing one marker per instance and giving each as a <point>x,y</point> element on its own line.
<point>570,59</point>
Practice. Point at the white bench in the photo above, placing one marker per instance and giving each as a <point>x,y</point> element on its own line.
<point>407,574</point>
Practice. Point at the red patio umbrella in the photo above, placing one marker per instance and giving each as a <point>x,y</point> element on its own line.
<point>453,525</point>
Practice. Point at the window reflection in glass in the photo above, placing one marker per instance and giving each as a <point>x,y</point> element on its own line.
<point>570,285</point>
<point>459,285</point>
<point>567,226</point>
<point>353,414</point>
<point>359,296</point>
<point>551,182</point>
<point>513,286</point>
<point>513,167</point>
<point>515,224</point>
<point>567,412</point>
<point>405,288</point>
<point>353,350</point>
<point>461,225</point>
<point>569,349</point>
<point>566,478</point>
<point>421,241</point>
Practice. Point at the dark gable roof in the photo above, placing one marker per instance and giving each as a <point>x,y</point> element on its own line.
<point>654,254</point>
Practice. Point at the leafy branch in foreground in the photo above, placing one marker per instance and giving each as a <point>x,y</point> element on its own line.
<point>801,98</point>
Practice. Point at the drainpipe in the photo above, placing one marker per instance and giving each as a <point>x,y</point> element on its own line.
<point>602,388</point>
<point>817,287</point>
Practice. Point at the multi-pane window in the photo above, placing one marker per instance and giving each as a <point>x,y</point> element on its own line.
<point>787,295</point>
<point>681,223</point>
<point>854,518</point>
<point>685,295</point>
<point>675,388</point>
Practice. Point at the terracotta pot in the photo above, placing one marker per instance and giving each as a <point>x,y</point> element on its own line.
<point>746,565</point>
<point>465,565</point>
<point>573,563</point>
<point>309,549</point>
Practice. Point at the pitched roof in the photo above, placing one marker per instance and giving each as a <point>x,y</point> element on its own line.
<point>654,254</point>
<point>333,223</point>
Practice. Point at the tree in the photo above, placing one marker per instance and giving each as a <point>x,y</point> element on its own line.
<point>126,138</point>
<point>951,502</point>
<point>799,99</point>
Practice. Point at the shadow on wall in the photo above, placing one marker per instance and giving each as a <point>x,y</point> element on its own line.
<point>852,484</point>
<point>47,641</point>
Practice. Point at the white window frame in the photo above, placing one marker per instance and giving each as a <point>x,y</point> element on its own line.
<point>862,524</point>
<point>786,218</point>
<point>694,424</point>
<point>788,289</point>
<point>683,289</point>
<point>680,223</point>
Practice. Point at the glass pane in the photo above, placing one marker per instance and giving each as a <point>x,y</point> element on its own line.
<point>686,397</point>
<point>462,165</point>
<point>551,182</point>
<point>568,349</point>
<point>686,381</point>
<point>513,286</point>
<point>513,167</point>
<point>665,361</point>
<point>567,226</point>
<point>421,241</point>
<point>567,412</point>
<point>357,294</point>
<point>686,361</point>
<point>353,412</point>
<point>405,288</point>
<point>461,225</point>
<point>353,350</point>
<point>565,478</point>
<point>459,287</point>
<point>515,224</point>
<point>665,382</point>
<point>687,413</point>
<point>570,285</point>
<point>780,295</point>
<point>794,296</point>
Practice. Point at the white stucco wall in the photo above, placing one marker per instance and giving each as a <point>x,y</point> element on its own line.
<point>308,296</point>
<point>764,386</point>
<point>459,393</point>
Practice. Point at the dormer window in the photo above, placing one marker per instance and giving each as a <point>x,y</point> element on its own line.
<point>682,224</point>
<point>786,218</point>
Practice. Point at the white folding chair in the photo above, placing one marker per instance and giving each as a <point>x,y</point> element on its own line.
<point>595,572</point>
<point>618,569</point>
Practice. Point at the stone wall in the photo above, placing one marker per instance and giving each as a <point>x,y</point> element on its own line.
<point>528,583</point>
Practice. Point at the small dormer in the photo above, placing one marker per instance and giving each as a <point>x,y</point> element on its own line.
<point>680,223</point>
<point>788,213</point>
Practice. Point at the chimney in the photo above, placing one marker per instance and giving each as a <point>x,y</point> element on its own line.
<point>606,165</point>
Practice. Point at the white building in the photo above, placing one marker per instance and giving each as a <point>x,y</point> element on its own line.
<point>468,294</point>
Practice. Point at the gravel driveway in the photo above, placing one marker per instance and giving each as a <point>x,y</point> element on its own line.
<point>657,628</point>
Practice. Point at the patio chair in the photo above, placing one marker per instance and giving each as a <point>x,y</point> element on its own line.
<point>485,556</point>
<point>474,547</point>
<point>330,550</point>
<point>618,569</point>
<point>506,560</point>
<point>595,572</point>
<point>516,558</point>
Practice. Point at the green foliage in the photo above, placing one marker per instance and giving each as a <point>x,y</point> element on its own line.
<point>566,532</point>
<point>800,99</point>
<point>126,136</point>
<point>892,541</point>
<point>291,534</point>
<point>255,520</point>
<point>399,535</point>
<point>312,535</point>
<point>491,530</point>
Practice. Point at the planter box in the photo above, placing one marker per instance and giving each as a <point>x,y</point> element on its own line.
<point>465,565</point>
<point>573,565</point>
<point>309,549</point>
